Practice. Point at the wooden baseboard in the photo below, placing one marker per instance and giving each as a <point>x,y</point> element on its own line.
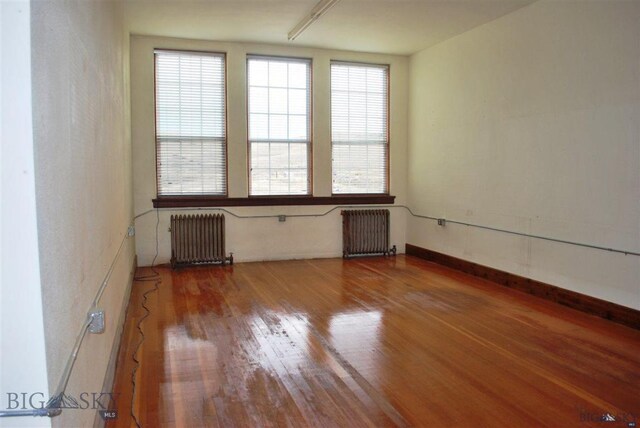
<point>109,378</point>
<point>591,305</point>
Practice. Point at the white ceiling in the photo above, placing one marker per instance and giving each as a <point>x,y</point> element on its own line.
<point>385,26</point>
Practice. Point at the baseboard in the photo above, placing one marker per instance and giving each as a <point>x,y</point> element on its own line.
<point>591,305</point>
<point>109,378</point>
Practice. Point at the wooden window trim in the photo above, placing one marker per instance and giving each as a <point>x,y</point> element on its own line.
<point>209,201</point>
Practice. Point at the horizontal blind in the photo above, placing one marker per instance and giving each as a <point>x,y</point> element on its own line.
<point>279,108</point>
<point>190,123</point>
<point>359,122</point>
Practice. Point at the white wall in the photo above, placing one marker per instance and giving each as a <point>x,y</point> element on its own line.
<point>83,181</point>
<point>22,360</point>
<point>532,123</point>
<point>265,238</point>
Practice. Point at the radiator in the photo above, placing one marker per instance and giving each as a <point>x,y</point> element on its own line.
<point>198,239</point>
<point>365,232</point>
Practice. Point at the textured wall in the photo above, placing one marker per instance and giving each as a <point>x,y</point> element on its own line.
<point>83,180</point>
<point>23,357</point>
<point>531,123</point>
<point>261,239</point>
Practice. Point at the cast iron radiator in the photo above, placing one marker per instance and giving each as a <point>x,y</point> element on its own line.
<point>365,232</point>
<point>198,239</point>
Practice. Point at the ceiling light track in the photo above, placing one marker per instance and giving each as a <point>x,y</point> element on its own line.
<point>320,9</point>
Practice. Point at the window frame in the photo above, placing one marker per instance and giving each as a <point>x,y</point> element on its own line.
<point>213,201</point>
<point>388,126</point>
<point>278,198</point>
<point>170,198</point>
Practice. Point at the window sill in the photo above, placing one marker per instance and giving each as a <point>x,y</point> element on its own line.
<point>211,201</point>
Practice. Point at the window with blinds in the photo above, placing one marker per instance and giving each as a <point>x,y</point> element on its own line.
<point>279,109</point>
<point>359,128</point>
<point>190,123</point>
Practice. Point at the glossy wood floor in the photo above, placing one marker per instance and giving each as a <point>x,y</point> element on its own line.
<point>368,342</point>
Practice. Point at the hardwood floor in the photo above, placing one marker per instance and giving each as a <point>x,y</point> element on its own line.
<point>367,342</point>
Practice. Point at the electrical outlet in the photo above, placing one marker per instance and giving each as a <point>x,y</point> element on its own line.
<point>282,218</point>
<point>131,231</point>
<point>96,326</point>
<point>441,222</point>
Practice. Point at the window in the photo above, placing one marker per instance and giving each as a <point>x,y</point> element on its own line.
<point>190,123</point>
<point>359,128</point>
<point>279,100</point>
